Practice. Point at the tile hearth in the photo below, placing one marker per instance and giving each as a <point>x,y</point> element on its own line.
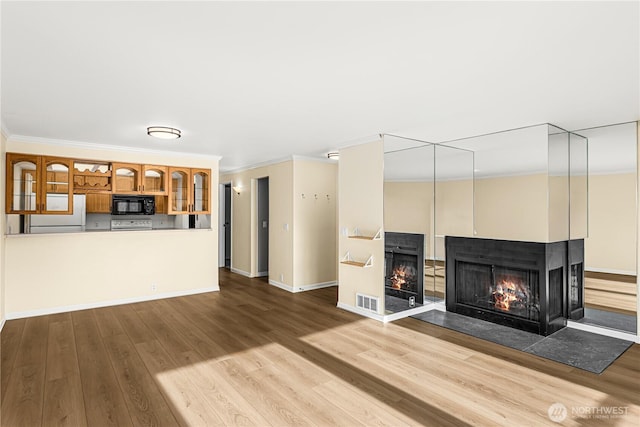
<point>584,350</point>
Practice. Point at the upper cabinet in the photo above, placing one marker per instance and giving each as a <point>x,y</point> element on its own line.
<point>154,179</point>
<point>139,179</point>
<point>91,177</point>
<point>189,191</point>
<point>126,178</point>
<point>39,184</point>
<point>45,185</point>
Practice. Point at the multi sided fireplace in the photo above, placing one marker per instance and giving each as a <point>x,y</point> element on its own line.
<point>525,285</point>
<point>404,265</point>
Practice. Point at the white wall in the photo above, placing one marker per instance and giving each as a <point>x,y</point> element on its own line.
<point>48,273</point>
<point>3,159</point>
<point>302,231</point>
<point>360,195</point>
<point>314,218</point>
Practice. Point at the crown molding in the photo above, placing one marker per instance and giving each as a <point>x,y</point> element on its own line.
<point>266,163</point>
<point>5,131</point>
<point>315,159</point>
<point>256,165</point>
<point>360,141</point>
<point>106,147</point>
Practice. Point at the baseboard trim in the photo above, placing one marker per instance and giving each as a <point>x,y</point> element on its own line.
<point>281,286</point>
<point>361,312</point>
<point>262,274</point>
<point>241,272</point>
<point>303,288</point>
<point>2,322</point>
<point>385,318</point>
<point>406,313</point>
<point>627,336</point>
<point>77,307</point>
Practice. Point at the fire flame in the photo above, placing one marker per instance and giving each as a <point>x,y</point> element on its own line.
<point>399,277</point>
<point>504,295</point>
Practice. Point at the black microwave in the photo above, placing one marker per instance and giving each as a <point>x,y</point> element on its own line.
<point>124,204</point>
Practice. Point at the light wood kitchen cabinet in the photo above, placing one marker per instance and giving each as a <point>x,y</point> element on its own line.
<point>139,179</point>
<point>189,191</point>
<point>161,205</point>
<point>154,179</point>
<point>38,184</point>
<point>98,203</point>
<point>126,178</point>
<point>91,176</point>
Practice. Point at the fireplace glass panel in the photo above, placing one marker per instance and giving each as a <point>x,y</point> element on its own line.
<point>575,287</point>
<point>401,277</point>
<point>503,290</point>
<point>555,293</point>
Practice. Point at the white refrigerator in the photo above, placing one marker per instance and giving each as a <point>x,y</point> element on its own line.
<point>39,224</point>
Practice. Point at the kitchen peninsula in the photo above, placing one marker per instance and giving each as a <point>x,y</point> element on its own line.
<point>51,273</point>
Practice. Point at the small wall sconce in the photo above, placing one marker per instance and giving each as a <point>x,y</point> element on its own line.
<point>237,189</point>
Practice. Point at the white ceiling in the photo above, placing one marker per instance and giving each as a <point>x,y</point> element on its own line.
<point>254,82</point>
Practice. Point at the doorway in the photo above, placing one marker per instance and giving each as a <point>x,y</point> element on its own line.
<point>263,227</point>
<point>225,226</point>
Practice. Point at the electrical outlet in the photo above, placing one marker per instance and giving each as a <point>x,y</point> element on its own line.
<point>281,277</point>
<point>154,287</point>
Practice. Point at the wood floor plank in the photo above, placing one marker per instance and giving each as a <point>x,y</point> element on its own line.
<point>146,404</point>
<point>23,403</point>
<point>11,336</point>
<point>104,402</point>
<point>63,400</point>
<point>230,404</point>
<point>263,397</point>
<point>315,407</point>
<point>108,323</point>
<point>175,385</point>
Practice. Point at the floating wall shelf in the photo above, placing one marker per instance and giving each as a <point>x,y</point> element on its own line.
<point>357,235</point>
<point>346,259</point>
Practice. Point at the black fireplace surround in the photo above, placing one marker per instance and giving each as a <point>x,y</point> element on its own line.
<point>526,285</point>
<point>404,265</point>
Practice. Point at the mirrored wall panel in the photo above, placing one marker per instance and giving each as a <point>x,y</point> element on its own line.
<point>558,184</point>
<point>611,224</point>
<point>454,210</point>
<point>511,183</point>
<point>408,223</point>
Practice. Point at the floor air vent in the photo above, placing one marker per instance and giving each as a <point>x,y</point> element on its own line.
<point>366,302</point>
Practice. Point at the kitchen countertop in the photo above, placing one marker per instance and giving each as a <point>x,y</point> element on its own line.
<point>75,233</point>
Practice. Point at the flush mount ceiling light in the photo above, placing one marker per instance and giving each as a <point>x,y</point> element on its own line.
<point>163,132</point>
<point>334,155</point>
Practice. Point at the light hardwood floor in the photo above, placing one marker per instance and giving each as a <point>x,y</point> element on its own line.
<point>253,354</point>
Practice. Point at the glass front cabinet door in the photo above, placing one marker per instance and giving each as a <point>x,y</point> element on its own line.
<point>126,178</point>
<point>189,191</point>
<point>58,191</point>
<point>38,185</point>
<point>179,194</point>
<point>201,191</point>
<point>155,180</point>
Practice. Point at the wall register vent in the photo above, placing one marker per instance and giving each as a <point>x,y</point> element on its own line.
<point>367,302</point>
